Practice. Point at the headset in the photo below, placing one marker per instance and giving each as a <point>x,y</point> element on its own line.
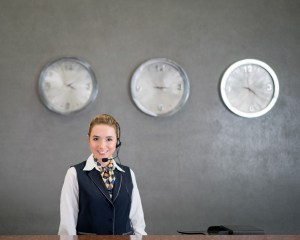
<point>119,143</point>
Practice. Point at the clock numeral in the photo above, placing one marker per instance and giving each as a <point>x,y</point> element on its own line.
<point>179,87</point>
<point>68,66</point>
<point>88,86</point>
<point>138,88</point>
<point>269,87</point>
<point>248,68</point>
<point>67,106</point>
<point>160,107</point>
<point>228,89</point>
<point>49,73</point>
<point>160,67</point>
<point>47,86</point>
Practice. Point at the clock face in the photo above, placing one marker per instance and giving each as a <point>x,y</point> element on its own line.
<point>67,85</point>
<point>249,88</point>
<point>159,87</point>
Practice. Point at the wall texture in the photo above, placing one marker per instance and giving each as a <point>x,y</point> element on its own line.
<point>202,166</point>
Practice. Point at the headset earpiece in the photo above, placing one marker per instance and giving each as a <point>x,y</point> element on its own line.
<point>118,135</point>
<point>118,143</point>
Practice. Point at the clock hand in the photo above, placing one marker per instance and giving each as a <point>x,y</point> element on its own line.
<point>160,87</point>
<point>70,85</point>
<point>248,80</point>
<point>250,90</point>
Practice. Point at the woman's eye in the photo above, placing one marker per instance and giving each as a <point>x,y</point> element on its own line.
<point>109,139</point>
<point>95,139</point>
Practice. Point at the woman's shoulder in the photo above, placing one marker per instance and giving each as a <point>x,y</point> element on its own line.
<point>123,166</point>
<point>127,169</point>
<point>79,165</point>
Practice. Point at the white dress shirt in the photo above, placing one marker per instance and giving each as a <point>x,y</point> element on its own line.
<point>69,201</point>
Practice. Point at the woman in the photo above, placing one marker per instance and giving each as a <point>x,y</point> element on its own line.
<point>100,196</point>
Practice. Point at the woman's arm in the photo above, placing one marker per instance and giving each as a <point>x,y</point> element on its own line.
<point>69,204</point>
<point>136,214</point>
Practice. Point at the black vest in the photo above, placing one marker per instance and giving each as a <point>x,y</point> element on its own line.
<point>98,213</point>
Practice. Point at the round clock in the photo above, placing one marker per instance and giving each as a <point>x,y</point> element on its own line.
<point>159,87</point>
<point>249,88</point>
<point>67,85</point>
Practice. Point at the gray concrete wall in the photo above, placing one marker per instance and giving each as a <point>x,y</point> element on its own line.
<point>202,166</point>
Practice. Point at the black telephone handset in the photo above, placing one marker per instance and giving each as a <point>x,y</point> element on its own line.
<point>218,230</point>
<point>227,230</point>
<point>234,230</point>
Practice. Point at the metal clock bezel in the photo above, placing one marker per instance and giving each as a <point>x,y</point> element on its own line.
<point>239,64</point>
<point>61,60</point>
<point>178,68</point>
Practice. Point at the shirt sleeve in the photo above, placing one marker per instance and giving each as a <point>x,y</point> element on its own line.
<point>69,204</point>
<point>136,214</point>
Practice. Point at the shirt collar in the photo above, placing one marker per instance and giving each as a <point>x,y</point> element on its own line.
<point>90,165</point>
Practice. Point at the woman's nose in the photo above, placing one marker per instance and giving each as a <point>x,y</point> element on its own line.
<point>102,143</point>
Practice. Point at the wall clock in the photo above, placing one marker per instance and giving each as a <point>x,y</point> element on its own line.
<point>159,87</point>
<point>67,85</point>
<point>249,88</point>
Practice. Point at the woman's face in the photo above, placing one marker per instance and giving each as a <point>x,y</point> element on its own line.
<point>102,142</point>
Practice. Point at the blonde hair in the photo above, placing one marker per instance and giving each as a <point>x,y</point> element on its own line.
<point>105,119</point>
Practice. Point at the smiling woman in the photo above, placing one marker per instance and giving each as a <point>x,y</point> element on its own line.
<point>102,142</point>
<point>100,196</point>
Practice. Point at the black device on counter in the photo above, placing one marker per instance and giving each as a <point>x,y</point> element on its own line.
<point>227,230</point>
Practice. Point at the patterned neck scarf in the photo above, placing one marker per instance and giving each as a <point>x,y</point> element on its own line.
<point>107,174</point>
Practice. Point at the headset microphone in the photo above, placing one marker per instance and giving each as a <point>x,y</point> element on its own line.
<point>107,159</point>
<point>117,146</point>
